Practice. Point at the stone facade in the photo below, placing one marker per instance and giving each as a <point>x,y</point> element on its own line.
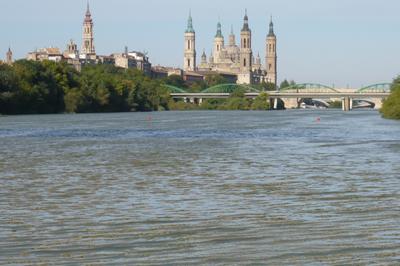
<point>50,54</point>
<point>87,56</point>
<point>9,57</point>
<point>190,47</point>
<point>88,49</point>
<point>234,59</point>
<point>271,55</point>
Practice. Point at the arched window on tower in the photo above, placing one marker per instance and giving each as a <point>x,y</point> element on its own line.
<point>269,67</point>
<point>244,62</point>
<point>188,62</point>
<point>188,43</point>
<point>245,46</point>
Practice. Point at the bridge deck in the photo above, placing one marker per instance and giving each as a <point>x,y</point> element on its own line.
<point>273,95</point>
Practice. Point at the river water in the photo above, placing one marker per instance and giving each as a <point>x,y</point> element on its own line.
<point>278,188</point>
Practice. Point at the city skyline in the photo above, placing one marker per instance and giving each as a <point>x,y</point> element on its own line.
<point>332,54</point>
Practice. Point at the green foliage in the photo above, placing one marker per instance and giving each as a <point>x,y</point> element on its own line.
<point>212,104</point>
<point>182,106</point>
<point>197,86</point>
<point>284,84</point>
<point>236,101</point>
<point>335,104</point>
<point>261,102</point>
<point>391,106</point>
<point>32,87</point>
<point>215,79</point>
<point>175,80</point>
<point>269,86</point>
<point>49,87</point>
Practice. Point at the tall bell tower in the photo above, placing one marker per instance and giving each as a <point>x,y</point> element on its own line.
<point>246,53</point>
<point>87,37</point>
<point>219,43</point>
<point>189,62</point>
<point>271,55</point>
<point>9,56</point>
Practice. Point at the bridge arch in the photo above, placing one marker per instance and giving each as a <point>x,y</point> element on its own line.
<point>376,88</point>
<point>174,89</point>
<point>229,88</point>
<point>308,87</point>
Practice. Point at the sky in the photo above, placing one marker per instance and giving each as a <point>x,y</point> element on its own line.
<point>345,43</point>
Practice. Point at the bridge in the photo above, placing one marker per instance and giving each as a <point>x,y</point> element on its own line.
<point>293,95</point>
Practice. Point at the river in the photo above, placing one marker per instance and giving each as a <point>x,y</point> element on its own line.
<point>280,188</point>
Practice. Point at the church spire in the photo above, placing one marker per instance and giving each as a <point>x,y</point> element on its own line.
<point>9,59</point>
<point>246,22</point>
<point>219,30</point>
<point>232,41</point>
<point>271,29</point>
<point>88,35</point>
<point>189,28</point>
<point>88,10</point>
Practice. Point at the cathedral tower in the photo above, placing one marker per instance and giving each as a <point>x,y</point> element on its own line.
<point>246,53</point>
<point>189,63</point>
<point>9,57</point>
<point>219,44</point>
<point>232,38</point>
<point>87,37</point>
<point>271,55</point>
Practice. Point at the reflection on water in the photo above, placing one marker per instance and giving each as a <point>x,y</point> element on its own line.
<point>200,187</point>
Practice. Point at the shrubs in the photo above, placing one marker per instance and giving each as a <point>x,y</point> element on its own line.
<point>391,106</point>
<point>49,87</point>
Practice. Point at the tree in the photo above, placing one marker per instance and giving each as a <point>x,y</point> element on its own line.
<point>175,80</point>
<point>261,102</point>
<point>215,79</point>
<point>49,87</point>
<point>391,106</point>
<point>284,84</point>
<point>270,86</point>
<point>236,101</point>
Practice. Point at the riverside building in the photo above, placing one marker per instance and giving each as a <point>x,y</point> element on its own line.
<point>87,55</point>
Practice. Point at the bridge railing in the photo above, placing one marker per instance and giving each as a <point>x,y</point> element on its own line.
<point>376,88</point>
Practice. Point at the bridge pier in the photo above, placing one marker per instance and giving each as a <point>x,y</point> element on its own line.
<point>276,104</point>
<point>347,104</point>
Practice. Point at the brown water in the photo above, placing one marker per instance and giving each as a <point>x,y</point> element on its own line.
<point>226,188</point>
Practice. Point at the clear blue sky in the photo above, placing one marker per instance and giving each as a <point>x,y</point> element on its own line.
<point>341,42</point>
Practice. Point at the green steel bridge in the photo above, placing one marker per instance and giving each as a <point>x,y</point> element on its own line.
<point>376,92</point>
<point>297,88</point>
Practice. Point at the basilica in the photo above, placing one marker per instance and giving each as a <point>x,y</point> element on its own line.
<point>231,58</point>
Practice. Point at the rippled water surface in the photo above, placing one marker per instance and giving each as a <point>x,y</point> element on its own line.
<point>200,188</point>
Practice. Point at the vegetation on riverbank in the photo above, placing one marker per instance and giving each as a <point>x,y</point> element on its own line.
<point>29,87</point>
<point>391,106</point>
<point>237,101</point>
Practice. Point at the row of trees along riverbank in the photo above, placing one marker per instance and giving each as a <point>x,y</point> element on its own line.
<point>29,87</point>
<point>391,106</point>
